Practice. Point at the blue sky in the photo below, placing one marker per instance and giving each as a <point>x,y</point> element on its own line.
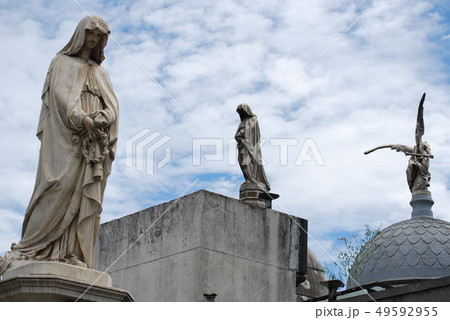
<point>210,56</point>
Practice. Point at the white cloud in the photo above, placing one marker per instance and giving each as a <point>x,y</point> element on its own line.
<point>211,56</point>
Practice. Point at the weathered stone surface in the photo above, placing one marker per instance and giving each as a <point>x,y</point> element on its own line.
<point>23,268</point>
<point>204,243</point>
<point>43,288</point>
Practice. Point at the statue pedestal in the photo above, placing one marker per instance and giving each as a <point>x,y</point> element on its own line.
<point>252,194</point>
<point>421,204</point>
<point>34,281</point>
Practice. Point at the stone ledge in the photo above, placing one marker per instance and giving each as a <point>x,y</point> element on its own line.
<point>43,288</point>
<point>22,268</point>
<point>433,290</point>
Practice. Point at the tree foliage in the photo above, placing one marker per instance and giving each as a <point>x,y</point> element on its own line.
<point>346,258</point>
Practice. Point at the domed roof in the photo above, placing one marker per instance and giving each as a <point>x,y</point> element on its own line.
<point>311,287</point>
<point>414,249</point>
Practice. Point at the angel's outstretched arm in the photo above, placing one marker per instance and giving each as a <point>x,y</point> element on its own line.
<point>402,148</point>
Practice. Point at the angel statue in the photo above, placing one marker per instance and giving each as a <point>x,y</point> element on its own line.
<point>417,173</point>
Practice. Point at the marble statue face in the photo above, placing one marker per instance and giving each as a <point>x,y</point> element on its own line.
<point>92,38</point>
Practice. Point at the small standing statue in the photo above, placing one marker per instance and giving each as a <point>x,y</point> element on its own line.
<point>248,142</point>
<point>78,133</point>
<point>417,173</point>
<point>255,189</point>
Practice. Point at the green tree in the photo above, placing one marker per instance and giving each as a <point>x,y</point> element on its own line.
<point>346,258</point>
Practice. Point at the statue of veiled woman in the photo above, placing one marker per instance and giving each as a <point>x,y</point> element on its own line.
<point>248,139</point>
<point>78,133</point>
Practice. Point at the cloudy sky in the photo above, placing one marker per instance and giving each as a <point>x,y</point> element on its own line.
<point>328,78</point>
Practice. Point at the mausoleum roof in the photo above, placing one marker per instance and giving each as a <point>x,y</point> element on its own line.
<point>311,287</point>
<point>414,249</point>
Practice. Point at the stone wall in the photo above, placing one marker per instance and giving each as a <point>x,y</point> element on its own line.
<point>204,243</point>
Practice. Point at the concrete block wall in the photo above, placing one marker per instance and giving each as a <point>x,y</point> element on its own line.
<point>204,243</point>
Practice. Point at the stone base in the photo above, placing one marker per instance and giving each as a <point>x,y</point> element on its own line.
<point>421,204</point>
<point>251,193</point>
<point>252,196</point>
<point>57,289</point>
<point>27,280</point>
<point>51,268</point>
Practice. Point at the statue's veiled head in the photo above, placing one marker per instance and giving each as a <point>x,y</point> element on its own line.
<point>244,111</point>
<point>91,23</point>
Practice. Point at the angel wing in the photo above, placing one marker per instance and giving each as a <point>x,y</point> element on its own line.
<point>420,126</point>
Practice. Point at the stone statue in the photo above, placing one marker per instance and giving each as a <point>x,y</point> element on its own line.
<point>417,173</point>
<point>78,133</point>
<point>248,143</point>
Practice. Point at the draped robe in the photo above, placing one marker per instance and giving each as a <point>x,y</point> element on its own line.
<point>248,139</point>
<point>417,173</point>
<point>62,218</point>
